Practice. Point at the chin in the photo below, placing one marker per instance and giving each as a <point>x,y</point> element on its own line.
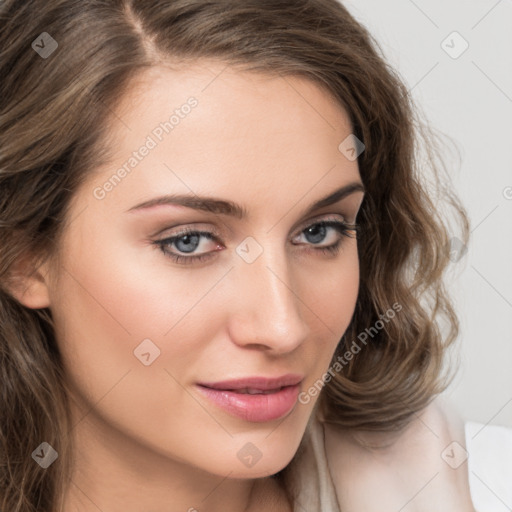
<point>258,471</point>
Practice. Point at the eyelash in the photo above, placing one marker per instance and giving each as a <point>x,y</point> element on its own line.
<point>343,228</point>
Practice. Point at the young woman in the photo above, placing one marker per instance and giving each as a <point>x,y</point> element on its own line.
<point>221,270</point>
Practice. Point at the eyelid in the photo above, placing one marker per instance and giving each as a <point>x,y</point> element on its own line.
<point>321,218</point>
<point>184,229</point>
<point>341,226</point>
<point>216,233</point>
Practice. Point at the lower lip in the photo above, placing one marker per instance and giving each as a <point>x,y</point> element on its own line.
<point>255,408</point>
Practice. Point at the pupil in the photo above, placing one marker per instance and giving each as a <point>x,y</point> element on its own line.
<point>319,229</point>
<point>189,240</point>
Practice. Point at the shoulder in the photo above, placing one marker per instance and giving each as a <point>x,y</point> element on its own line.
<point>421,468</point>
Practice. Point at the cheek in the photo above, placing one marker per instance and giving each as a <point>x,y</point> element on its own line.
<point>332,290</point>
<point>111,310</point>
<point>105,309</point>
<point>332,297</point>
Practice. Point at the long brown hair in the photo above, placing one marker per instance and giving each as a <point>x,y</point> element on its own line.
<point>63,66</point>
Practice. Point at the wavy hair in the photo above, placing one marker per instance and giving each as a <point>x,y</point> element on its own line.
<point>54,116</point>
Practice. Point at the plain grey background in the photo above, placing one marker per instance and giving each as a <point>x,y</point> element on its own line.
<point>456,58</point>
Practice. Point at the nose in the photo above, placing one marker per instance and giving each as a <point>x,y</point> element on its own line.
<point>267,309</point>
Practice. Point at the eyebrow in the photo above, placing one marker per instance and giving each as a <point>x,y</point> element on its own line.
<point>225,207</point>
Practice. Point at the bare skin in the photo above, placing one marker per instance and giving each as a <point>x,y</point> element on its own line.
<point>271,145</point>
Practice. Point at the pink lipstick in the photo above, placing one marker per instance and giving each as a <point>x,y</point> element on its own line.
<point>255,399</point>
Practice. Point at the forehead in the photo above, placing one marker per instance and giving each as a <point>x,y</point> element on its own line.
<point>213,129</point>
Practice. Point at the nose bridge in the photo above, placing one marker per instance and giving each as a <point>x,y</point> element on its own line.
<point>269,312</point>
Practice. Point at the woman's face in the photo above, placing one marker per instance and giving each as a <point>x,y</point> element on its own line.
<point>139,330</point>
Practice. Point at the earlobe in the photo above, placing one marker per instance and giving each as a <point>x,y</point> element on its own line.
<point>29,286</point>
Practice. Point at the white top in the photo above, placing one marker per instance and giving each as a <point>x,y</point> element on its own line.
<point>308,477</point>
<point>489,467</point>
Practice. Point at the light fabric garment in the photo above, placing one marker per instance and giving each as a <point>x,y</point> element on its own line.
<point>308,477</point>
<point>489,466</point>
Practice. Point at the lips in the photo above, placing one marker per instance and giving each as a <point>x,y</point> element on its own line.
<point>250,391</point>
<point>260,407</point>
<point>255,385</point>
<point>254,399</point>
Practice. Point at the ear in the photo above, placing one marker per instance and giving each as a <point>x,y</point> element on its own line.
<point>28,283</point>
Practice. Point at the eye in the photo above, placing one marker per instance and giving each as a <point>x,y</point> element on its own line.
<point>337,229</point>
<point>188,240</point>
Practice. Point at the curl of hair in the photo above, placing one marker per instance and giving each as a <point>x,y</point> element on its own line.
<point>55,115</point>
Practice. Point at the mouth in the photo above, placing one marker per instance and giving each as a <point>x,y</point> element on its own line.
<point>254,385</point>
<point>253,404</point>
<point>252,391</point>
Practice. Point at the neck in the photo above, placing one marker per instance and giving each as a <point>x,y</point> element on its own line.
<point>113,472</point>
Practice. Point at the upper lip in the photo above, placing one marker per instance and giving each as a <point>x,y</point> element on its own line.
<point>259,383</point>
